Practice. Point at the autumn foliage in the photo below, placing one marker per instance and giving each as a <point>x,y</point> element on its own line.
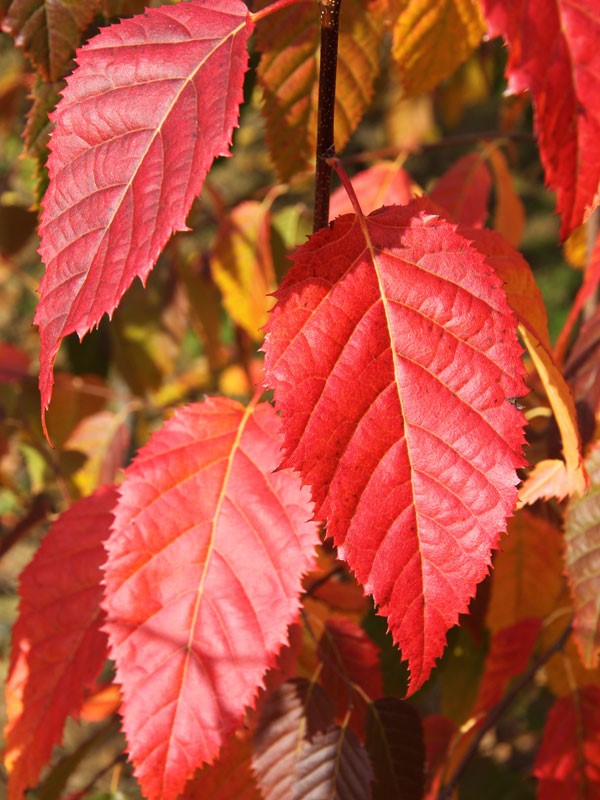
<point>305,518</point>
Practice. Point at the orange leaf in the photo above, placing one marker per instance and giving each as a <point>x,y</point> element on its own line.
<point>509,215</point>
<point>526,580</point>
<point>432,38</point>
<point>242,266</point>
<point>289,45</point>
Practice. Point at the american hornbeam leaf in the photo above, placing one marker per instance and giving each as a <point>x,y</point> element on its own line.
<point>508,656</point>
<point>242,265</point>
<point>582,551</point>
<point>392,352</point>
<point>350,659</point>
<point>333,763</point>
<point>527,577</point>
<point>568,761</point>
<point>464,190</point>
<point>288,73</point>
<point>432,39</point>
<point>551,477</point>
<point>383,184</point>
<point>154,100</point>
<point>230,777</point>
<point>291,715</point>
<point>58,647</point>
<point>49,30</point>
<point>396,747</point>
<point>202,580</point>
<point>558,61</point>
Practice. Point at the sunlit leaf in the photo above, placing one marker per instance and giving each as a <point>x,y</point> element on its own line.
<point>154,100</point>
<point>202,580</point>
<point>464,191</point>
<point>416,475</point>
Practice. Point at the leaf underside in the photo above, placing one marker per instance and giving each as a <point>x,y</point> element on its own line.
<point>154,100</point>
<point>202,581</point>
<point>392,351</point>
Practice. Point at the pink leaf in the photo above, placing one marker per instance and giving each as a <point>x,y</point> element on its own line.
<point>153,102</point>
<point>392,352</point>
<point>202,580</point>
<point>58,647</point>
<point>554,54</point>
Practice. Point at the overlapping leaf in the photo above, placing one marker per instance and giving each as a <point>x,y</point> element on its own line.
<point>333,764</point>
<point>568,761</point>
<point>551,477</point>
<point>350,659</point>
<point>291,715</point>
<point>154,100</point>
<point>554,54</point>
<point>526,580</point>
<point>202,580</point>
<point>582,538</point>
<point>392,351</point>
<point>58,648</point>
<point>230,777</point>
<point>431,39</point>
<point>464,191</point>
<point>397,750</point>
<point>242,265</point>
<point>49,30</point>
<point>288,70</point>
<point>383,184</point>
<point>510,650</point>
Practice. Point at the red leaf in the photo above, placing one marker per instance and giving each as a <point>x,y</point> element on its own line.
<point>154,100</point>
<point>230,777</point>
<point>568,761</point>
<point>554,54</point>
<point>392,352</point>
<point>464,191</point>
<point>349,655</point>
<point>58,647</point>
<point>383,184</point>
<point>510,650</point>
<point>202,580</point>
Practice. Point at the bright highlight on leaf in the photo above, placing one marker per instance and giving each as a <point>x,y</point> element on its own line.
<point>392,352</point>
<point>58,648</point>
<point>202,580</point>
<point>154,100</point>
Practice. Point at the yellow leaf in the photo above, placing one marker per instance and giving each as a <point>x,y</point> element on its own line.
<point>432,38</point>
<point>242,266</point>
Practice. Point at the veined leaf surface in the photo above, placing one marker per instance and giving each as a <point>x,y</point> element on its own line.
<point>202,580</point>
<point>392,352</point>
<point>153,102</point>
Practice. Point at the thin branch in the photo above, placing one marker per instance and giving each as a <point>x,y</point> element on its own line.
<point>39,510</point>
<point>496,712</point>
<point>330,17</point>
